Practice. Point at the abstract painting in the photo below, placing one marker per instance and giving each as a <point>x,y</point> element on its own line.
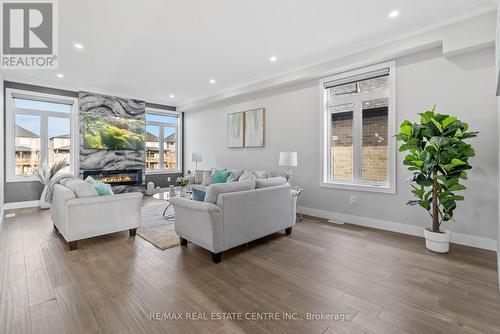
<point>254,128</point>
<point>235,130</point>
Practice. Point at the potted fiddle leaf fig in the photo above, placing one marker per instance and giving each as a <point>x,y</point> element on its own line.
<point>438,156</point>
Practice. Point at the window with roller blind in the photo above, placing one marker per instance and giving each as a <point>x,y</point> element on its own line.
<point>358,119</point>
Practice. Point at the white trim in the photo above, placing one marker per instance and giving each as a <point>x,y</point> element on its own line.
<point>498,268</point>
<point>325,157</point>
<point>10,93</point>
<point>457,238</point>
<point>21,205</point>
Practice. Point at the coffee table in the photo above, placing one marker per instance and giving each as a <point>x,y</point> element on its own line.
<point>165,196</point>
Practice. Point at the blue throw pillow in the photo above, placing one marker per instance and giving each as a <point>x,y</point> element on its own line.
<point>220,176</point>
<point>103,189</point>
<point>198,195</point>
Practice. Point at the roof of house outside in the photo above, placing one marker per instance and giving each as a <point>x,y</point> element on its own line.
<point>22,132</point>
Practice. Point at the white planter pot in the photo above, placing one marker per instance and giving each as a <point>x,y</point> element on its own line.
<point>43,204</point>
<point>437,242</point>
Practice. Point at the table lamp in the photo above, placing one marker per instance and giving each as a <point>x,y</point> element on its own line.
<point>196,157</point>
<point>288,159</point>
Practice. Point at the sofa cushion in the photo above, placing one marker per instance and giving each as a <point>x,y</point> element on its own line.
<point>220,176</point>
<point>247,176</point>
<point>90,180</point>
<point>81,188</point>
<point>207,178</point>
<point>269,182</point>
<point>198,194</point>
<point>198,175</point>
<point>214,190</point>
<point>199,187</point>
<point>103,189</point>
<point>261,174</point>
<point>235,175</point>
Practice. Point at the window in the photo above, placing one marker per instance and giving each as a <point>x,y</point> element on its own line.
<point>358,129</point>
<point>163,149</point>
<point>39,129</point>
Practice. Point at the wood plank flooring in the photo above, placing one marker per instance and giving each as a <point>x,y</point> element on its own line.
<point>385,282</point>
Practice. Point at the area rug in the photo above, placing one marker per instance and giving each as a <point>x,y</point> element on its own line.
<point>155,230</point>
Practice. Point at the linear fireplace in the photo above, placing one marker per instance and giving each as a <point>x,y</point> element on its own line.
<point>116,177</point>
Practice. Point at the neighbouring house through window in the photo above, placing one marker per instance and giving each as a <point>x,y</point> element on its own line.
<point>163,141</point>
<point>40,128</point>
<point>358,129</point>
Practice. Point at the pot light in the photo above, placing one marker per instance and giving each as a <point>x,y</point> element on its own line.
<point>60,75</point>
<point>78,46</point>
<point>273,59</point>
<point>212,81</point>
<point>171,96</point>
<point>393,14</point>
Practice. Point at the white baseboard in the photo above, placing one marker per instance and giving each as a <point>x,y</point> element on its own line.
<point>21,205</point>
<point>457,238</point>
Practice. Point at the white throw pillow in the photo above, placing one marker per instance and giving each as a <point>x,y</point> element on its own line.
<point>207,178</point>
<point>198,176</point>
<point>214,190</point>
<point>270,182</point>
<point>235,175</point>
<point>90,180</point>
<point>247,176</point>
<point>81,188</point>
<point>261,174</point>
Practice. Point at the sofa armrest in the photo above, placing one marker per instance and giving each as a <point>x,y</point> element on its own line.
<point>199,222</point>
<point>92,216</point>
<point>58,206</point>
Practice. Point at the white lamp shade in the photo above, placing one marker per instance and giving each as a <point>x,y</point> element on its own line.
<point>196,157</point>
<point>288,159</point>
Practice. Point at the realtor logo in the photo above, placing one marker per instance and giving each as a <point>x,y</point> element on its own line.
<point>29,34</point>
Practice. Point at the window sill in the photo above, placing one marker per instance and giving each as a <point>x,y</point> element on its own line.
<point>14,179</point>
<point>359,187</point>
<point>163,171</point>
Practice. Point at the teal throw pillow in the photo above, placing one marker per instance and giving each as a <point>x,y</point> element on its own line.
<point>103,189</point>
<point>220,176</point>
<point>198,195</point>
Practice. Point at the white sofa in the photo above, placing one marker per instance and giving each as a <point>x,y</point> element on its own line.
<point>81,218</point>
<point>236,218</point>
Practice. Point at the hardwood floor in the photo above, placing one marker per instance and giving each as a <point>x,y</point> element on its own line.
<point>385,282</point>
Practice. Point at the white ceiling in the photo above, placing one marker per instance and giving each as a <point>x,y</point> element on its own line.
<point>151,49</point>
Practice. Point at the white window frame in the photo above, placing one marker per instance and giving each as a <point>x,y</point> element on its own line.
<point>178,142</point>
<point>325,135</point>
<point>10,141</point>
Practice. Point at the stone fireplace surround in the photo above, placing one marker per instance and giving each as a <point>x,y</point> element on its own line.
<point>112,161</point>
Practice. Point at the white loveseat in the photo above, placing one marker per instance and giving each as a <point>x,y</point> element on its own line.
<point>81,218</point>
<point>237,217</point>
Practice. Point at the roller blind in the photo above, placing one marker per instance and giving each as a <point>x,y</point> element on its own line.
<point>355,78</point>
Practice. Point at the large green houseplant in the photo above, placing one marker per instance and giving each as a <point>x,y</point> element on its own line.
<point>438,157</point>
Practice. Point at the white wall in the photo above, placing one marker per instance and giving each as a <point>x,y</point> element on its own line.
<point>463,86</point>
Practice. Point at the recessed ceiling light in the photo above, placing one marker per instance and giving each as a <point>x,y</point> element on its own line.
<point>212,81</point>
<point>273,59</point>
<point>60,75</point>
<point>78,46</point>
<point>171,96</point>
<point>393,14</point>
